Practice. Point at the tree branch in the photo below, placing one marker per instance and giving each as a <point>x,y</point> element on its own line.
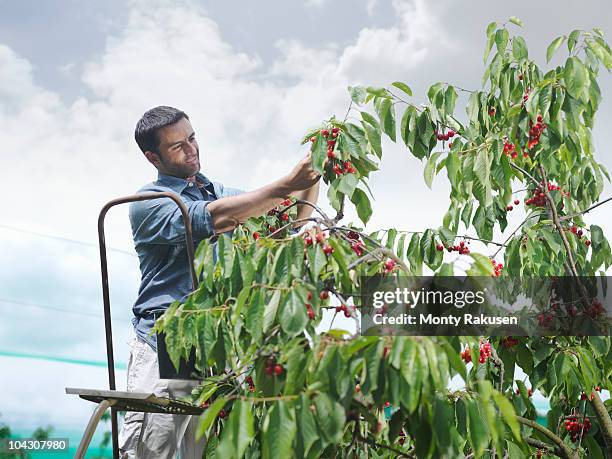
<point>563,450</point>
<point>605,422</point>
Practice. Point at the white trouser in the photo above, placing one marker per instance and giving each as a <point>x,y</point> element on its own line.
<point>153,435</point>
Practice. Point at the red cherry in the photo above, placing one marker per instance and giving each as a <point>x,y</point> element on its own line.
<point>313,139</point>
<point>357,388</point>
<point>311,314</point>
<point>439,247</point>
<point>337,169</point>
<point>451,133</point>
<point>587,243</point>
<point>255,235</point>
<point>387,404</point>
<point>331,143</point>
<point>325,133</point>
<point>328,249</point>
<point>516,202</point>
<point>335,130</point>
<point>308,241</point>
<point>284,217</point>
<point>278,369</point>
<point>347,313</point>
<point>509,208</point>
<point>440,136</point>
<point>320,237</point>
<point>324,295</point>
<point>309,296</point>
<point>330,154</point>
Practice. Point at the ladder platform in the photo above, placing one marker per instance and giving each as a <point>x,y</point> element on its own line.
<point>136,401</point>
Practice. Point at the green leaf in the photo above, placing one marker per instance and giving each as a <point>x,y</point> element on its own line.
<point>362,204</point>
<point>572,40</point>
<point>238,431</point>
<point>553,47</point>
<point>482,265</point>
<point>330,417</point>
<point>293,313</point>
<point>306,423</point>
<point>255,316</point>
<point>386,112</point>
<point>373,135</point>
<point>501,40</point>
<point>358,94</point>
<point>507,412</point>
<point>347,184</point>
<point>576,77</point>
<point>279,431</point>
<point>270,310</point>
<point>450,97</point>
<point>208,417</point>
<point>430,168</point>
<point>477,431</point>
<point>516,21</point>
<point>519,48</point>
<point>403,86</point>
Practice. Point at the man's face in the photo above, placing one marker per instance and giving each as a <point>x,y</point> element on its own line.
<point>179,153</point>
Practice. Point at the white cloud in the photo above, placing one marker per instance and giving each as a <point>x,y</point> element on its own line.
<point>379,55</point>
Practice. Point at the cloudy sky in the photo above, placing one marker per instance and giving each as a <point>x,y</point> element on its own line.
<point>76,75</point>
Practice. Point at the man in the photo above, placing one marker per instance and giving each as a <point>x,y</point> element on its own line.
<point>167,139</point>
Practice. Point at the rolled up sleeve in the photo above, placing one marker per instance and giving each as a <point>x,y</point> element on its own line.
<point>160,221</point>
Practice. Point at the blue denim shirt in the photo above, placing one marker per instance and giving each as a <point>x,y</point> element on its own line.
<point>159,238</point>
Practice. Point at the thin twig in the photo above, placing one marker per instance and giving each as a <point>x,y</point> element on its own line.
<point>571,217</point>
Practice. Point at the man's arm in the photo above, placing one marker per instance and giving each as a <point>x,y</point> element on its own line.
<point>229,212</point>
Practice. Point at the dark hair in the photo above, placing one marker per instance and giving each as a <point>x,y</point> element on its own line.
<point>153,120</point>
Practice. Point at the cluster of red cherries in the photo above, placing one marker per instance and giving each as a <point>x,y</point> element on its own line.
<point>345,309</point>
<point>484,352</point>
<point>283,217</point>
<point>535,131</point>
<point>462,248</point>
<point>510,150</point>
<point>273,368</point>
<point>445,136</point>
<point>389,265</point>
<point>356,245</point>
<point>575,427</point>
<point>497,267</point>
<point>538,199</point>
<point>318,239</point>
<point>578,232</point>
